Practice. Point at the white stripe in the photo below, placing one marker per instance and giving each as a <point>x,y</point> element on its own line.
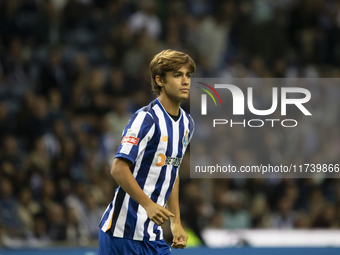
<point>141,213</point>
<point>151,180</point>
<point>141,149</point>
<point>108,219</point>
<point>175,142</point>
<point>166,184</point>
<point>193,128</point>
<point>106,225</point>
<point>141,218</point>
<point>120,224</point>
<point>186,127</point>
<point>161,149</point>
<point>137,123</point>
<point>107,208</point>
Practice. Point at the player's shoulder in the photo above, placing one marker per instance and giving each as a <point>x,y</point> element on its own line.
<point>188,116</point>
<point>145,111</point>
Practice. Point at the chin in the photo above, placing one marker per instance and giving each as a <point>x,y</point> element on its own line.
<point>184,97</point>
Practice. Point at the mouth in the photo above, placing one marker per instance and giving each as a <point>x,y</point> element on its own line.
<point>185,90</point>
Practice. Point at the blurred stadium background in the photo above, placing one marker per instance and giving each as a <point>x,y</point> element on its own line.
<point>73,71</point>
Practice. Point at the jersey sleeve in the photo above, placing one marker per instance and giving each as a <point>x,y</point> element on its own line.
<point>136,136</point>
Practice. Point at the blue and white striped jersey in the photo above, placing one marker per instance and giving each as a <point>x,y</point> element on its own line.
<point>155,144</point>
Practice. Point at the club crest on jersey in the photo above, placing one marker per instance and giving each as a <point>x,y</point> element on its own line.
<point>186,138</point>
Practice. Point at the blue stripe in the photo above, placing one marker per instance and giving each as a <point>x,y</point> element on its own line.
<point>181,135</point>
<point>118,206</point>
<point>171,184</point>
<point>147,222</point>
<point>168,153</point>
<point>155,195</point>
<point>105,216</point>
<point>158,187</point>
<point>179,155</point>
<point>161,177</point>
<point>146,234</point>
<point>157,232</point>
<point>141,177</point>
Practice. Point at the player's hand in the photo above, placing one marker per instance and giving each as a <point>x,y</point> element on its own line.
<point>158,214</point>
<point>180,237</point>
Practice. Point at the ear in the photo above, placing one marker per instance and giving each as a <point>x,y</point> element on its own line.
<point>159,81</point>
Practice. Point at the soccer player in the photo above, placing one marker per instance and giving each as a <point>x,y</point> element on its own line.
<point>146,165</point>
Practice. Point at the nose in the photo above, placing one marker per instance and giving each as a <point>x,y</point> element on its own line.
<point>185,80</point>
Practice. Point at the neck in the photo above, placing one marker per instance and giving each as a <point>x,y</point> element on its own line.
<point>169,105</point>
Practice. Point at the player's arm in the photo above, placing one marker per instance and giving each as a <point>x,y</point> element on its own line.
<point>179,236</point>
<point>120,171</point>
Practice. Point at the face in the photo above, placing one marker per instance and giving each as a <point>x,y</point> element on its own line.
<point>176,85</point>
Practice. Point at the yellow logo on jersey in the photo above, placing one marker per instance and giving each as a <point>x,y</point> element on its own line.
<point>164,138</point>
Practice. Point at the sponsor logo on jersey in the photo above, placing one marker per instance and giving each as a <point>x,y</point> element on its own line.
<point>161,160</point>
<point>130,139</point>
<point>164,160</point>
<point>131,136</point>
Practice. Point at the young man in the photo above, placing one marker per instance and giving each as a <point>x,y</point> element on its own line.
<point>147,163</point>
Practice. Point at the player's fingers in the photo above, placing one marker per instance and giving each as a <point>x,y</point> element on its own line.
<point>168,213</point>
<point>162,215</point>
<point>158,220</point>
<point>177,239</point>
<point>183,238</point>
<point>180,245</point>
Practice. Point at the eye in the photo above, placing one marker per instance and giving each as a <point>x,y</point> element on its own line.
<point>176,75</point>
<point>189,75</point>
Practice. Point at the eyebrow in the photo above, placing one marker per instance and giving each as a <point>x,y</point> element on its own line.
<point>179,72</point>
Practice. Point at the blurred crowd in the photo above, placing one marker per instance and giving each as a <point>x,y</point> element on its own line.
<point>73,71</point>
